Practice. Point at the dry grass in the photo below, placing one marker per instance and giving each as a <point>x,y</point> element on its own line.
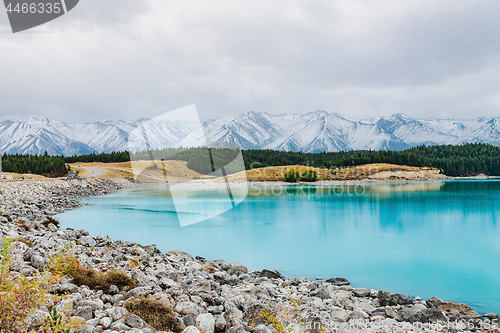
<point>102,281</point>
<point>23,224</point>
<point>80,171</point>
<point>50,220</point>
<point>68,265</point>
<point>154,313</point>
<point>23,240</point>
<point>175,170</point>
<point>27,176</point>
<point>368,171</point>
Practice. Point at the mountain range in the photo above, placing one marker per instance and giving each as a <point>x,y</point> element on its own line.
<point>310,132</point>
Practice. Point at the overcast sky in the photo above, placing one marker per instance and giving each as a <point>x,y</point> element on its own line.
<point>126,59</point>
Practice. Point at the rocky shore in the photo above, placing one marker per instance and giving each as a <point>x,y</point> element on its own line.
<point>205,296</point>
<point>33,200</point>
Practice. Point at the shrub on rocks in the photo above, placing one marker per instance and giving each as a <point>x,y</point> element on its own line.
<point>154,313</point>
<point>23,224</point>
<point>68,265</point>
<point>23,240</point>
<point>21,298</point>
<point>50,220</point>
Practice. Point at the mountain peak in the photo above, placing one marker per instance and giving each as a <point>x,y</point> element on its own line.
<point>38,120</point>
<point>401,116</point>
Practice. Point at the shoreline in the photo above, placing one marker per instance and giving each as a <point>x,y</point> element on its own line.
<point>188,284</point>
<point>322,183</point>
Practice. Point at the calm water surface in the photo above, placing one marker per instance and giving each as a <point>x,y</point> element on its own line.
<point>419,238</point>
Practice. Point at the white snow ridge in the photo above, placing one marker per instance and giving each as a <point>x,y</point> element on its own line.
<point>311,132</point>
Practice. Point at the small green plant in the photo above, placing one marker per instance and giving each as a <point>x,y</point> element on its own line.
<point>309,175</point>
<point>292,175</point>
<point>155,313</point>
<point>280,322</point>
<point>56,322</point>
<point>270,317</point>
<point>134,262</point>
<point>7,216</point>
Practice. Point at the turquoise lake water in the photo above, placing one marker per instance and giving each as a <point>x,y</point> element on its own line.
<point>418,238</point>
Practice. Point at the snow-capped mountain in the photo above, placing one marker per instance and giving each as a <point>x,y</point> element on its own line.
<point>37,135</point>
<point>322,131</point>
<point>311,132</point>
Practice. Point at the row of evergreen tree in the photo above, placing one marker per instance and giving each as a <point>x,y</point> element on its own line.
<point>50,166</point>
<point>454,160</point>
<point>119,156</point>
<point>460,160</point>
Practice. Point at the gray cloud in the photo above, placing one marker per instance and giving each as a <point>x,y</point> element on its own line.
<point>124,59</point>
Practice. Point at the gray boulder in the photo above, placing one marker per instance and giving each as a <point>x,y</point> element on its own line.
<point>65,288</point>
<point>88,241</point>
<point>37,261</point>
<point>106,322</point>
<point>117,313</point>
<point>338,281</point>
<point>412,315</point>
<point>139,292</point>
<point>205,323</point>
<point>322,293</point>
<point>85,312</point>
<point>274,274</point>
<point>134,321</point>
<point>237,270</point>
<point>220,324</point>
<point>188,309</point>
<point>261,329</point>
<point>191,329</point>
<point>361,292</point>
<point>189,321</point>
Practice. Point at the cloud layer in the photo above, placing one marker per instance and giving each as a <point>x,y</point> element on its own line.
<point>124,59</point>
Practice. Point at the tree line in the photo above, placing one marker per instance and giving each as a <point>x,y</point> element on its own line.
<point>45,165</point>
<point>454,160</point>
<point>118,156</point>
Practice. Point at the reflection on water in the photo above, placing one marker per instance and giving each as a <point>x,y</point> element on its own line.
<point>422,238</point>
<point>343,189</point>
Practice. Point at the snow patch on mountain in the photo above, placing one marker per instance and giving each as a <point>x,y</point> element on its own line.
<point>311,132</point>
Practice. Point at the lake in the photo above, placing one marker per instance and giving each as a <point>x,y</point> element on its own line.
<point>419,238</point>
